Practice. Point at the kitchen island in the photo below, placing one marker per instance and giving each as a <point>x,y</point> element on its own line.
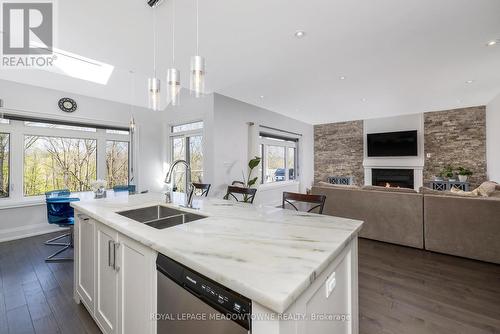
<point>299,270</point>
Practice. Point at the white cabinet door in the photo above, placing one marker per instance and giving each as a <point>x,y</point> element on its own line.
<point>85,235</point>
<point>137,287</point>
<point>106,307</point>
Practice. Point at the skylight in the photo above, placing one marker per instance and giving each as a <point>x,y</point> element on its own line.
<point>76,66</point>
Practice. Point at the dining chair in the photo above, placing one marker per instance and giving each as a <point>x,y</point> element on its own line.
<point>248,194</point>
<point>293,200</point>
<point>122,188</point>
<point>60,212</point>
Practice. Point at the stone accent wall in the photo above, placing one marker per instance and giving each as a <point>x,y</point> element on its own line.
<point>338,151</point>
<point>457,138</point>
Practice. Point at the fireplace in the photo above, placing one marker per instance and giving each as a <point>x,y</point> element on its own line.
<point>396,178</point>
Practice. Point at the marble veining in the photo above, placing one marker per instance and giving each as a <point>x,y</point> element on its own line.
<point>267,254</point>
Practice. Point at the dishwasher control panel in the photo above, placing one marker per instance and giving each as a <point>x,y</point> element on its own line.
<point>229,303</point>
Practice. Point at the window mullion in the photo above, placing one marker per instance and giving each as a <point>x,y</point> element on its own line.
<point>101,154</point>
<point>16,162</point>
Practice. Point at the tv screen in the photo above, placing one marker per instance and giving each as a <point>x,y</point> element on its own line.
<point>393,144</point>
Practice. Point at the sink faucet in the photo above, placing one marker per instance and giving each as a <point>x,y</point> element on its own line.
<point>189,192</point>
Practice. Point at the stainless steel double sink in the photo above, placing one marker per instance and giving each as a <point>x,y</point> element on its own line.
<point>160,217</point>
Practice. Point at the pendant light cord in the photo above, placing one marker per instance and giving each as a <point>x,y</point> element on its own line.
<point>154,42</point>
<point>173,33</point>
<point>197,28</point>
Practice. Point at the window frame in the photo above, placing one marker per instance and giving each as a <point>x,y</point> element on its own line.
<point>17,131</point>
<point>265,142</point>
<point>186,135</point>
<point>9,161</point>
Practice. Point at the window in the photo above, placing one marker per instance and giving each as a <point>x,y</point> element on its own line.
<point>47,156</point>
<point>187,127</point>
<point>279,159</point>
<point>117,132</point>
<point>59,126</point>
<point>290,162</point>
<point>4,164</point>
<point>117,156</point>
<point>187,144</point>
<point>55,163</point>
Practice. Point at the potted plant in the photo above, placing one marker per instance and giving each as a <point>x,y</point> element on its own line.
<point>448,172</point>
<point>463,174</point>
<point>249,182</point>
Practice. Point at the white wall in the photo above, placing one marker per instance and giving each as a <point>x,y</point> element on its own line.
<point>393,124</point>
<point>493,139</point>
<point>231,134</point>
<point>24,221</point>
<point>226,141</point>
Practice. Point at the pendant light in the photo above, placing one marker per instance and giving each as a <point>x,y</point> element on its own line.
<point>173,74</point>
<point>197,75</point>
<point>154,82</point>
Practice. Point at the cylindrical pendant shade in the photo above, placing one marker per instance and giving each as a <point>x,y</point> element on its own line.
<point>154,93</point>
<point>174,85</point>
<point>197,76</point>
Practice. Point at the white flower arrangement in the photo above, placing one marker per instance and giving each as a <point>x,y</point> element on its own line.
<point>98,185</point>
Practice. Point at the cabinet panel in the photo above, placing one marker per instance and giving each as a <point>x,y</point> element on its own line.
<point>106,310</point>
<point>85,276</point>
<point>137,286</point>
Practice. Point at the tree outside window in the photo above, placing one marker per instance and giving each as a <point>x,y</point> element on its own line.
<point>4,164</point>
<point>52,163</point>
<point>117,157</point>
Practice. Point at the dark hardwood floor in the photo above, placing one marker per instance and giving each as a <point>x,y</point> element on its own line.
<point>402,291</point>
<point>36,297</point>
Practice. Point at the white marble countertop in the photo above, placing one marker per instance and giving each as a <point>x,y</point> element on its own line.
<point>267,254</point>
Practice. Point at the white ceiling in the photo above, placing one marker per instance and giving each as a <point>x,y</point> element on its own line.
<point>398,57</point>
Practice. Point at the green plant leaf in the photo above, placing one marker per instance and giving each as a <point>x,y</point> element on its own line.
<point>254,162</point>
<point>252,181</point>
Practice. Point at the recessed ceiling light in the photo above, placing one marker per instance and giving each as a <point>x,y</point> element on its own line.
<point>469,81</point>
<point>493,42</point>
<point>342,78</point>
<point>262,96</point>
<point>363,99</point>
<point>300,33</point>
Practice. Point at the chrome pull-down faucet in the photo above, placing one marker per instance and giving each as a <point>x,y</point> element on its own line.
<point>189,190</point>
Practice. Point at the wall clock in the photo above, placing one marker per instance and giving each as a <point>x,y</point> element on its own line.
<point>67,105</point>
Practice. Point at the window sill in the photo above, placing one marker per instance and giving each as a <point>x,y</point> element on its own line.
<point>13,204</point>
<point>278,184</point>
<point>9,203</point>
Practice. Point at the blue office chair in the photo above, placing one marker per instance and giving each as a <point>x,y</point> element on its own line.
<point>61,213</point>
<point>121,188</point>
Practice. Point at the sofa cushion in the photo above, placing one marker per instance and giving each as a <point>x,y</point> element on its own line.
<point>454,192</point>
<point>390,189</point>
<point>495,194</point>
<point>486,188</point>
<point>460,192</point>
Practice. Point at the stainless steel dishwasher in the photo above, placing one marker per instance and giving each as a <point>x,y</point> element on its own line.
<point>189,303</point>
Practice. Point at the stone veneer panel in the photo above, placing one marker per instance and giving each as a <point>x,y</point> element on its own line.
<point>338,151</point>
<point>457,138</point>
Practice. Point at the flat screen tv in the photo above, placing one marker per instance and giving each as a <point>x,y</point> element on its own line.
<point>393,144</point>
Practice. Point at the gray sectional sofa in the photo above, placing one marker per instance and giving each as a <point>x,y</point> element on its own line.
<point>462,226</point>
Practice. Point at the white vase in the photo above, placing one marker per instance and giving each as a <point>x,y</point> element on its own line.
<point>463,178</point>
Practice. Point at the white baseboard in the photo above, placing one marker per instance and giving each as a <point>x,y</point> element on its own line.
<point>27,231</point>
